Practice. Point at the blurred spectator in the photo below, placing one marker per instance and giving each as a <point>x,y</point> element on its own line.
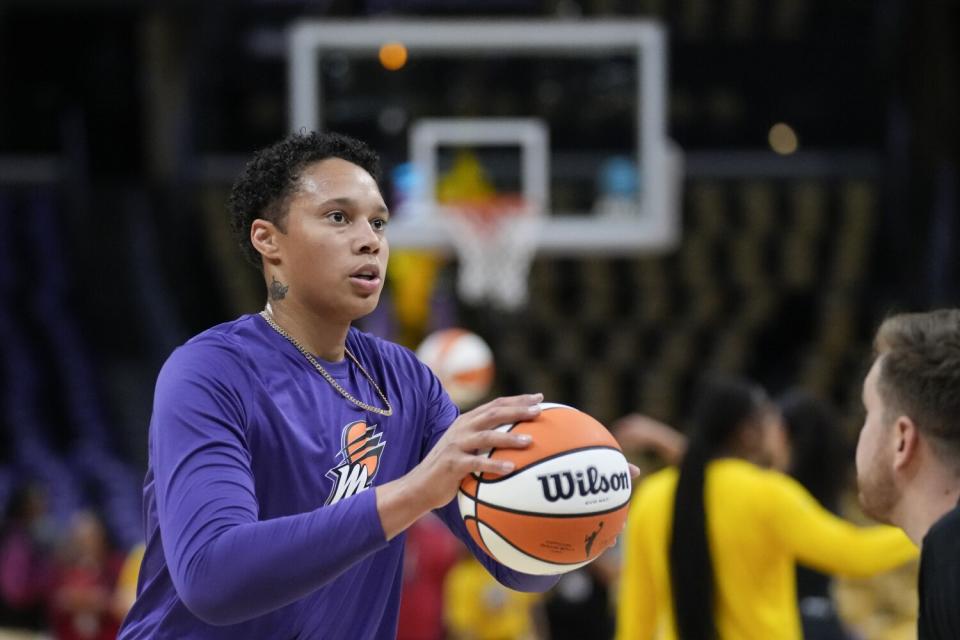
<point>477,607</point>
<point>430,553</point>
<point>579,606</point>
<point>640,434</point>
<point>817,461</point>
<point>25,571</point>
<point>81,606</point>
<point>126,592</point>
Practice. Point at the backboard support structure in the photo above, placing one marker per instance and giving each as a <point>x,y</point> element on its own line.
<point>651,225</point>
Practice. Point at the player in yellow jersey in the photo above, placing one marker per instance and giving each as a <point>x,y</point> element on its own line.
<point>711,547</point>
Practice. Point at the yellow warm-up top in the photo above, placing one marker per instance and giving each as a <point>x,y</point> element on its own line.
<point>760,523</point>
<point>477,607</point>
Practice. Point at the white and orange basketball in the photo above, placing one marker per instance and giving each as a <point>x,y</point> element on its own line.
<point>564,503</point>
<point>462,361</point>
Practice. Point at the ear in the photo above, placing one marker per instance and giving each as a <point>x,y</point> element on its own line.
<point>907,441</point>
<point>263,236</point>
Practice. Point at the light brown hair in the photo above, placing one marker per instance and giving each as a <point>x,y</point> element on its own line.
<point>920,375</point>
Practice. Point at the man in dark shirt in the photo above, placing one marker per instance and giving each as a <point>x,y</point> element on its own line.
<point>940,579</point>
<point>908,455</point>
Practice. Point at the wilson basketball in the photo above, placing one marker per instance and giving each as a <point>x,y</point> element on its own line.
<point>462,361</point>
<point>562,505</point>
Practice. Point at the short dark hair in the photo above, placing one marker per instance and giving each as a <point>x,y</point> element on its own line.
<point>920,374</point>
<point>265,185</point>
<point>818,456</point>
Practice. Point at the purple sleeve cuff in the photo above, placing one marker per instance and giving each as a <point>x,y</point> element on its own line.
<point>234,576</point>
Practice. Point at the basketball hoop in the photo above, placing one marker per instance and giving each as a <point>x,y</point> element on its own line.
<point>495,240</point>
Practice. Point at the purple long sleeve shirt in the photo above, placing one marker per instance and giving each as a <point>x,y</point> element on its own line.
<point>257,515</point>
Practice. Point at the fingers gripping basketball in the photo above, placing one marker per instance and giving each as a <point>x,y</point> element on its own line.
<point>455,455</point>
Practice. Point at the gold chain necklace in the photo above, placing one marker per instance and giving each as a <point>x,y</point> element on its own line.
<point>266,315</point>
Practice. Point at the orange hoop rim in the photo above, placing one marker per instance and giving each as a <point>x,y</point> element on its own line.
<point>487,214</point>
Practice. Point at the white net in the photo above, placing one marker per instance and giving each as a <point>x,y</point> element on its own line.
<point>495,243</point>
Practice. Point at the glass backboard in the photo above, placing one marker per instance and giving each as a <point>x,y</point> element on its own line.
<point>570,116</point>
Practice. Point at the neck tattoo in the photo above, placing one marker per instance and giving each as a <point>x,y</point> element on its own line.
<point>278,290</point>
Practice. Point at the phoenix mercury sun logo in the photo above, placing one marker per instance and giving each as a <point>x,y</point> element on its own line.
<point>360,451</point>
